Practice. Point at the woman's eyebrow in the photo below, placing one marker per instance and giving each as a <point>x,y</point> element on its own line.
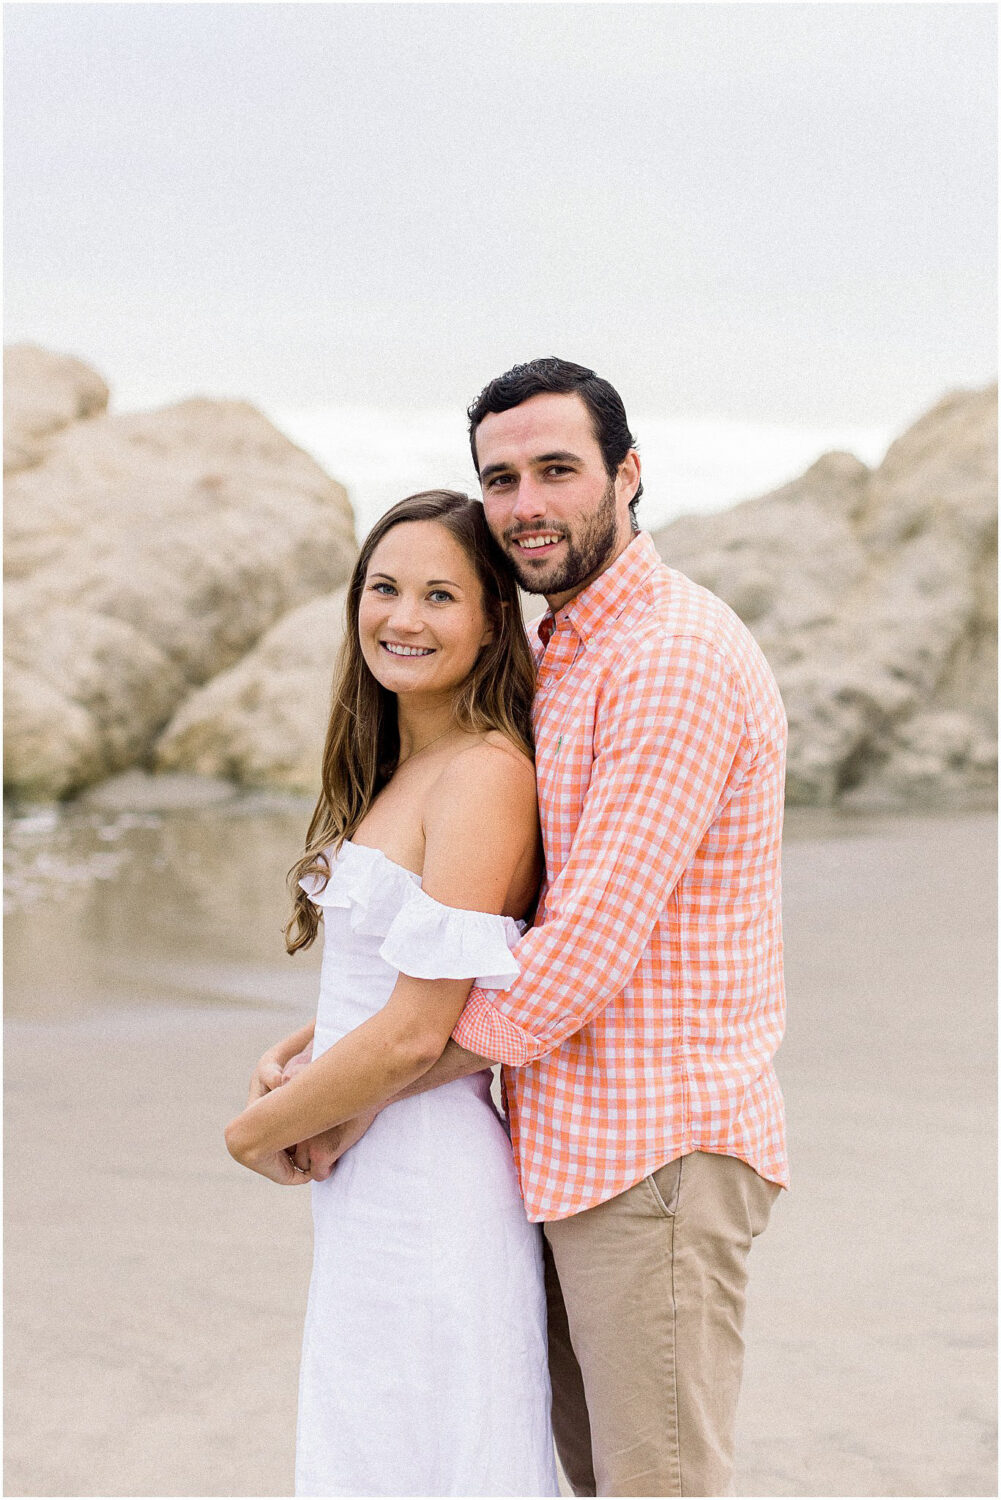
<point>431,582</point>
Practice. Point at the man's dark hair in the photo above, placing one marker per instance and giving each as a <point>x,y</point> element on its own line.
<point>563,378</point>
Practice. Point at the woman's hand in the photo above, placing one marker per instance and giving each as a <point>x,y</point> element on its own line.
<point>276,1166</point>
<point>274,1163</point>
<point>292,1052</point>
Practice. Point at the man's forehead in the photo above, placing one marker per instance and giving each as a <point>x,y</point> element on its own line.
<point>544,423</point>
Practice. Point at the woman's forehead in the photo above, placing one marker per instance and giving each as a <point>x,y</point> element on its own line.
<point>415,546</point>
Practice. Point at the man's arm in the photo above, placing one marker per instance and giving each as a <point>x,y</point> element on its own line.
<point>670,738</point>
<point>455,1062</point>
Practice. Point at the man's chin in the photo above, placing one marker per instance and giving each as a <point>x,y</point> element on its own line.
<point>541,579</point>
<point>530,585</point>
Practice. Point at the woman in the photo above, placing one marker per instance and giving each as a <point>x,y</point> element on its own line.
<point>424,1355</point>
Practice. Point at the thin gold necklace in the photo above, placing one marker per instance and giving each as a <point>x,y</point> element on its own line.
<point>414,753</point>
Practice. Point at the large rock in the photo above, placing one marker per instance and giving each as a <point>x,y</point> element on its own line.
<point>146,554</point>
<point>873,595</point>
<point>263,722</point>
<point>42,393</point>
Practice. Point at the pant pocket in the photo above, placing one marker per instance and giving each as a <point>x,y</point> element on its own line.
<point>665,1185</point>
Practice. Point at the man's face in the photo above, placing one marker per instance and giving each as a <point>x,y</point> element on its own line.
<point>547,496</point>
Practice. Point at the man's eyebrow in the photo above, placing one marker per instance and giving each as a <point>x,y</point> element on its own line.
<point>561,456</point>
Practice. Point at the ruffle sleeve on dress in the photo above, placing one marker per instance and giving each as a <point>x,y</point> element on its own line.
<point>431,941</point>
<point>364,881</point>
<point>420,936</point>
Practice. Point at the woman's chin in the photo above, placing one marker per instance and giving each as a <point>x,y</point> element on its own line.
<point>417,675</point>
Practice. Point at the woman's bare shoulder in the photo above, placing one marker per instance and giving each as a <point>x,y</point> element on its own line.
<point>495,757</point>
<point>481,827</point>
<point>491,768</point>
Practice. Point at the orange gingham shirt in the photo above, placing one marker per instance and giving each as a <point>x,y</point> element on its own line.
<point>650,1001</point>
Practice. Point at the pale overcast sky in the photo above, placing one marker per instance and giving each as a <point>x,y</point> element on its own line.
<point>769,212</point>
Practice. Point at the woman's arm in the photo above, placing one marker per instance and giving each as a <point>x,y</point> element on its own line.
<point>479,823</point>
<point>376,1060</point>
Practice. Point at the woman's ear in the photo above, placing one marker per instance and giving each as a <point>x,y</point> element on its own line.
<point>493,626</point>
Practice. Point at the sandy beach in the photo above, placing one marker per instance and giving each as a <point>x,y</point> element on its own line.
<point>155,1291</point>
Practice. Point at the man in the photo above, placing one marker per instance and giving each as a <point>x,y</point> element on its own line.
<point>637,1043</point>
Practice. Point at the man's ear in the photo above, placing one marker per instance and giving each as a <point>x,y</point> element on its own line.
<point>627,480</point>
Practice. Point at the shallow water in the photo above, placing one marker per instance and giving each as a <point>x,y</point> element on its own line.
<point>153,908</point>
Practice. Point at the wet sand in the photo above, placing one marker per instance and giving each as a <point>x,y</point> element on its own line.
<point>155,1291</point>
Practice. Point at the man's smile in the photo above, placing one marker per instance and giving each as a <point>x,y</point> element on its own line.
<point>539,542</point>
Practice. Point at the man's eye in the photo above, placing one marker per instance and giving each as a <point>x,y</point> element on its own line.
<point>498,479</point>
<point>559,469</point>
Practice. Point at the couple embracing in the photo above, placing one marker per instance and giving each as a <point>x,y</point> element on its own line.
<point>560,854</point>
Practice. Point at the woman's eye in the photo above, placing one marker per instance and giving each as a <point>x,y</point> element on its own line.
<point>382,588</point>
<point>441,596</point>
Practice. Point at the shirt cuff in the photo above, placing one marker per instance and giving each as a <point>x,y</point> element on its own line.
<point>481,1028</point>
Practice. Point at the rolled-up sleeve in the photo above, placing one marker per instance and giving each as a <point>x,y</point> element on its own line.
<point>670,742</point>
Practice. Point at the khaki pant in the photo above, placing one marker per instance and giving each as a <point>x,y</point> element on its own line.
<point>646,1307</point>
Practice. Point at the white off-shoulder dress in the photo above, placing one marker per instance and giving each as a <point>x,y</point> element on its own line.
<point>424,1354</point>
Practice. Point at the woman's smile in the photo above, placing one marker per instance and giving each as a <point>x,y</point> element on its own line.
<point>399,650</point>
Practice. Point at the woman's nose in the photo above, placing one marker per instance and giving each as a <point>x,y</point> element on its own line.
<point>405,614</point>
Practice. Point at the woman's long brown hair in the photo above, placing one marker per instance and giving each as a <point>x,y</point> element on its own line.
<point>362,746</point>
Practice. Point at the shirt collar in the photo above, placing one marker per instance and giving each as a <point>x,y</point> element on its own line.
<point>606,598</point>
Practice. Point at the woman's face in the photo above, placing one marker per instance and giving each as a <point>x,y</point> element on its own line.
<point>421,619</point>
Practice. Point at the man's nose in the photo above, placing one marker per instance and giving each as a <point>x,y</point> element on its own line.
<point>530,504</point>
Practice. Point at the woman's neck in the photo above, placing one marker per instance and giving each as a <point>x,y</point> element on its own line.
<point>422,724</point>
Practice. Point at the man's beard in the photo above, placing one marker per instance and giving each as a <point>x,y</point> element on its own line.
<point>586,553</point>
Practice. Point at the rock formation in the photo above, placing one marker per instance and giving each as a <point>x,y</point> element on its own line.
<point>145,554</point>
<point>873,595</point>
<point>42,393</point>
<point>175,598</point>
<point>262,723</point>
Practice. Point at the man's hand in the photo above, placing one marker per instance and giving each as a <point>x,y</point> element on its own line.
<point>320,1153</point>
<point>296,1064</point>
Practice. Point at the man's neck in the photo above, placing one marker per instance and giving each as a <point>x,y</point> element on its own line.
<point>557,602</point>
